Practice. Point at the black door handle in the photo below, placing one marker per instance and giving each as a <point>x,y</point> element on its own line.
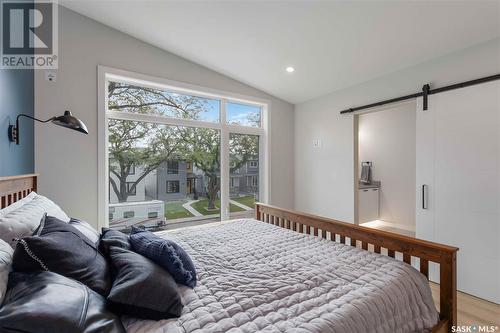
<point>425,196</point>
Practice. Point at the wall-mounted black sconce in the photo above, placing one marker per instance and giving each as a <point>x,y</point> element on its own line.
<point>67,120</point>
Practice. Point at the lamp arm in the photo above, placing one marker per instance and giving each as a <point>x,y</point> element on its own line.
<point>33,118</point>
<point>14,130</point>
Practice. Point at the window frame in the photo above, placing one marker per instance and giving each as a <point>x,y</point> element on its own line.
<point>106,74</point>
<point>173,170</point>
<point>233,180</point>
<point>178,186</point>
<point>128,214</point>
<point>129,184</point>
<point>153,215</point>
<point>131,172</point>
<point>250,180</point>
<point>246,104</point>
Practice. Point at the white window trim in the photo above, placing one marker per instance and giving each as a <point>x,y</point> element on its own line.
<point>104,74</point>
<point>250,180</point>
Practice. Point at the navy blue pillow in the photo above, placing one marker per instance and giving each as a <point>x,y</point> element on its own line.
<point>165,253</point>
<point>141,288</point>
<point>59,247</point>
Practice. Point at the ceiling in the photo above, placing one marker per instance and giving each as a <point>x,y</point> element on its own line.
<point>331,44</point>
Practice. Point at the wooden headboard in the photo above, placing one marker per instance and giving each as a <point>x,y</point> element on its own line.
<point>15,188</point>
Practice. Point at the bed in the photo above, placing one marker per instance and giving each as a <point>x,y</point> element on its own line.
<point>290,271</point>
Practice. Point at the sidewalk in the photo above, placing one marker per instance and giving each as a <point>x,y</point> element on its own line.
<point>236,203</point>
<point>188,207</point>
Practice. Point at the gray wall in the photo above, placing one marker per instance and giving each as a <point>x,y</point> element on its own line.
<point>67,161</point>
<point>324,177</point>
<point>163,176</point>
<point>16,96</point>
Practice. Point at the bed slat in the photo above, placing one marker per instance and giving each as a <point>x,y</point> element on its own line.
<point>14,188</point>
<point>406,258</point>
<point>424,267</point>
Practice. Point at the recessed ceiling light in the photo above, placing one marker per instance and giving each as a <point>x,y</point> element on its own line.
<point>290,69</point>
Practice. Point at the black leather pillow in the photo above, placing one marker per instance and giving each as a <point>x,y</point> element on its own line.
<point>141,288</point>
<point>47,302</point>
<point>59,247</point>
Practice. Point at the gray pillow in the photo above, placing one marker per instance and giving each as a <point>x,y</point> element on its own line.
<point>6,252</point>
<point>18,204</point>
<point>23,221</point>
<point>86,229</point>
<point>141,288</point>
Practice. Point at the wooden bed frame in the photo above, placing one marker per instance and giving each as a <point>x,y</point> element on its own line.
<point>15,188</point>
<point>381,242</point>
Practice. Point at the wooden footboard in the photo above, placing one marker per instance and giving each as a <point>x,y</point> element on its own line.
<point>379,242</point>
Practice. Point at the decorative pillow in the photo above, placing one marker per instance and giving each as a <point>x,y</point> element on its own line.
<point>141,288</point>
<point>47,302</point>
<point>17,204</point>
<point>111,237</point>
<point>24,220</point>
<point>59,247</point>
<point>165,253</point>
<point>6,252</point>
<point>86,229</point>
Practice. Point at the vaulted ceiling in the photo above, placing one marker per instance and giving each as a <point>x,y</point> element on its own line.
<point>331,44</point>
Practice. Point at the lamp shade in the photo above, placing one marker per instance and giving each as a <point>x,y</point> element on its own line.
<point>69,121</point>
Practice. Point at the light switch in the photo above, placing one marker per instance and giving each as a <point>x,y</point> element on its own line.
<point>317,143</point>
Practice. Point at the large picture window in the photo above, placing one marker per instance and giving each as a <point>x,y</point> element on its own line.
<point>173,155</point>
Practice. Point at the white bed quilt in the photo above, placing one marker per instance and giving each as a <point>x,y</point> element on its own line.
<point>257,277</point>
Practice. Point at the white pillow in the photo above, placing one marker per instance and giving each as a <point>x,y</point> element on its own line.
<point>17,204</point>
<point>6,252</point>
<point>24,220</point>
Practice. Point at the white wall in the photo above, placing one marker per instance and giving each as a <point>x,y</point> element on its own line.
<point>387,138</point>
<point>67,161</point>
<point>324,177</point>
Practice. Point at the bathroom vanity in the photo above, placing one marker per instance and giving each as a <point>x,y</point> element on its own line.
<point>369,201</point>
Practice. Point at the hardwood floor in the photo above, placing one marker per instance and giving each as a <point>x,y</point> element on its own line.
<point>472,310</point>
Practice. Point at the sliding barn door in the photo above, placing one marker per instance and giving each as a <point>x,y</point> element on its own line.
<point>458,182</point>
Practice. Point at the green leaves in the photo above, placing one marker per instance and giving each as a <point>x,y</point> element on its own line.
<point>146,146</point>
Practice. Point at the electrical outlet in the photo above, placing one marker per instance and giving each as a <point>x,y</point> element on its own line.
<point>50,76</point>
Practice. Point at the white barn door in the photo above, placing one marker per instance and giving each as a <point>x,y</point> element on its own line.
<point>458,161</point>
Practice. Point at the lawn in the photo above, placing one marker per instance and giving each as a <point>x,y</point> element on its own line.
<point>202,205</point>
<point>248,201</point>
<point>174,210</point>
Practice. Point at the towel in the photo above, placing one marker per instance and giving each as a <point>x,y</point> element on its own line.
<point>366,174</point>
